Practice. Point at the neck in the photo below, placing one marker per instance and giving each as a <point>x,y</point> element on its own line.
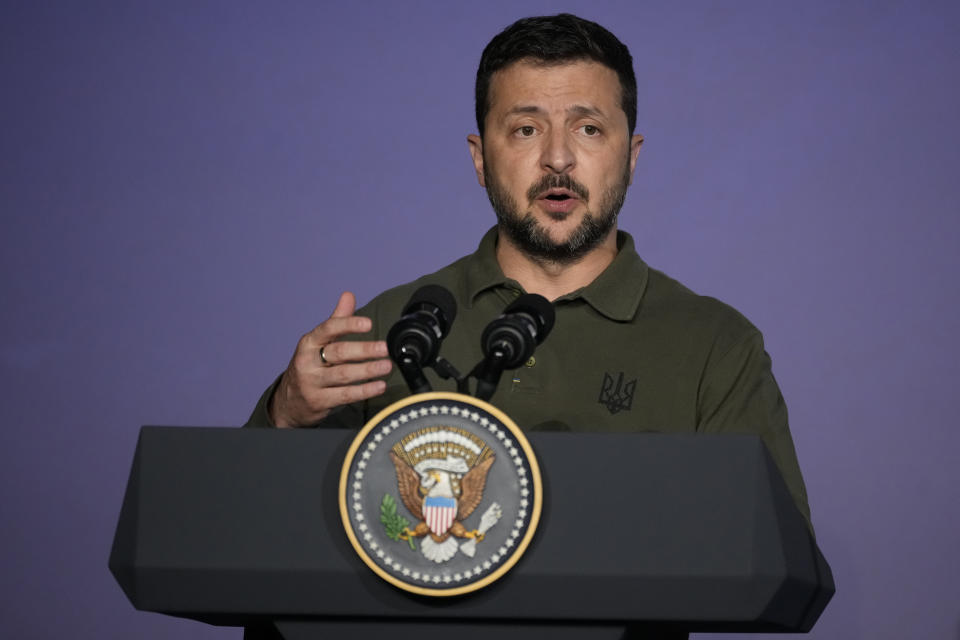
<point>554,279</point>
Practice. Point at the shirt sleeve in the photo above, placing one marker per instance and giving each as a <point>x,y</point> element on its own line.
<point>740,395</point>
<point>260,418</point>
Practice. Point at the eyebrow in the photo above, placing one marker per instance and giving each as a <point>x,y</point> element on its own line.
<point>583,110</point>
<point>579,110</point>
<point>523,109</point>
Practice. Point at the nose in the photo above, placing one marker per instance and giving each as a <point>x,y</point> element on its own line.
<point>557,156</point>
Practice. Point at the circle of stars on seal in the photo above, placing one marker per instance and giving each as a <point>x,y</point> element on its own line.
<point>492,427</point>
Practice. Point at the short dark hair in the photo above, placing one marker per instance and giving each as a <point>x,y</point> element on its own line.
<point>555,40</point>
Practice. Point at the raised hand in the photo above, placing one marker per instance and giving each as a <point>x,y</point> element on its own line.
<point>326,372</point>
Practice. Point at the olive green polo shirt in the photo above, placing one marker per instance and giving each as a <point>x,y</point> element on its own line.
<point>633,351</point>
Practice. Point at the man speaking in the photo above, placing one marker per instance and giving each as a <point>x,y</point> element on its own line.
<point>631,349</point>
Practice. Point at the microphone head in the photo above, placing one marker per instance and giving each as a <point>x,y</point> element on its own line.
<point>437,301</point>
<point>511,338</point>
<point>538,308</point>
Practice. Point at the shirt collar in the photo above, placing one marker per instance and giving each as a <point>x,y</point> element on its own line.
<point>483,270</point>
<point>615,293</point>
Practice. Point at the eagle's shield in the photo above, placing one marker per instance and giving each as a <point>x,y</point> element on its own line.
<point>439,513</point>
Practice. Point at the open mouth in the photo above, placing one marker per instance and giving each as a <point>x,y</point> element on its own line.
<point>558,203</point>
<point>557,195</point>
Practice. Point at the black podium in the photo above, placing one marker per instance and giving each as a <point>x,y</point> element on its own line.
<point>640,533</point>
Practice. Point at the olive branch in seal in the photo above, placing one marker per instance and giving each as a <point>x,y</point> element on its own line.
<point>393,523</point>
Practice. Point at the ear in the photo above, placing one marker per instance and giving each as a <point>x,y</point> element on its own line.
<point>476,152</point>
<point>636,141</point>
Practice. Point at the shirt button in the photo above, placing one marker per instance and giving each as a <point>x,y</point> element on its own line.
<point>532,361</point>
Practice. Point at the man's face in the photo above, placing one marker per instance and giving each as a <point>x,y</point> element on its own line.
<point>556,156</point>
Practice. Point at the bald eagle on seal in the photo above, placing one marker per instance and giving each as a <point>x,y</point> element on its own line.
<point>441,493</point>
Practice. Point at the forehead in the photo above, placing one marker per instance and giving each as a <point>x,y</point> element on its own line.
<point>555,86</point>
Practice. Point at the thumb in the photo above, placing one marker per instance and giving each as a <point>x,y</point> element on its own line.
<point>346,305</point>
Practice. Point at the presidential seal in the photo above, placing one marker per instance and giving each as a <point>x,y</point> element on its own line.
<point>440,494</point>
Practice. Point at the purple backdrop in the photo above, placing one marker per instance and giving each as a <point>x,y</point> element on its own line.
<point>186,187</point>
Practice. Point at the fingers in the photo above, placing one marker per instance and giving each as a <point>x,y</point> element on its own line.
<point>353,351</point>
<point>327,335</point>
<point>305,398</point>
<point>340,323</point>
<point>306,395</point>
<point>344,374</point>
<point>339,396</point>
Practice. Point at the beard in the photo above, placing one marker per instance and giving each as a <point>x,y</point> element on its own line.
<point>531,237</point>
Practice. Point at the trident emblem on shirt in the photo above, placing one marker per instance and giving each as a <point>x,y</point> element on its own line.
<point>616,395</point>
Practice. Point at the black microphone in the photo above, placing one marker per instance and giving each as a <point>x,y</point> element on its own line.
<point>414,340</point>
<point>510,340</point>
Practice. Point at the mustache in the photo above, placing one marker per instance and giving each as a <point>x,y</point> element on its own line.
<point>562,181</point>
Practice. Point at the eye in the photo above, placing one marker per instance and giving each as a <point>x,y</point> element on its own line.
<point>526,131</point>
<point>590,130</point>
